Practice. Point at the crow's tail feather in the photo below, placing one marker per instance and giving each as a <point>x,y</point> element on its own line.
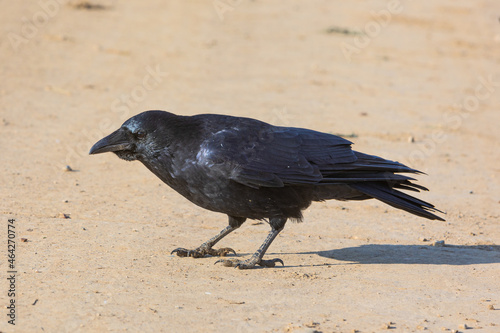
<point>398,199</point>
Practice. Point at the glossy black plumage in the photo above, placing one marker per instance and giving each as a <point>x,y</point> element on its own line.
<point>246,168</point>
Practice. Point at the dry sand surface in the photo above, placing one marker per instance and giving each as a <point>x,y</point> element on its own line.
<point>414,81</point>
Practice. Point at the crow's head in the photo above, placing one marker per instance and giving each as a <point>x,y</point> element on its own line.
<point>140,137</point>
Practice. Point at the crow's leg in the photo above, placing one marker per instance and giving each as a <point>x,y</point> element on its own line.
<point>277,224</point>
<point>206,248</point>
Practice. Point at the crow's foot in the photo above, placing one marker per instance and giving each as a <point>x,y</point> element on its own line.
<point>202,251</point>
<point>249,263</point>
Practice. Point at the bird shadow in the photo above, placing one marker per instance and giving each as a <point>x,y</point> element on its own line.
<point>448,254</point>
<point>416,254</point>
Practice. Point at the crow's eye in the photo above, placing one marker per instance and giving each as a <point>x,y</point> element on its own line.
<point>140,134</point>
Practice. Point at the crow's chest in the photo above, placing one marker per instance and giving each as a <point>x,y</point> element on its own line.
<point>205,185</point>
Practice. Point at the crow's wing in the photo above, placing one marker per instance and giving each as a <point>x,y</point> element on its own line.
<point>277,156</point>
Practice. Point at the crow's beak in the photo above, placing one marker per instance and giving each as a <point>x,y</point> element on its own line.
<point>116,141</point>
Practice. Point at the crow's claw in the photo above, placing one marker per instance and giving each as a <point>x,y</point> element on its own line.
<point>201,252</point>
<point>222,252</point>
<point>227,262</point>
<point>182,252</point>
<point>270,263</point>
<point>249,263</point>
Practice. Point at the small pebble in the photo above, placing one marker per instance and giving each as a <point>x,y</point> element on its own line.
<point>312,324</point>
<point>411,139</point>
<point>63,216</point>
<point>423,239</point>
<point>388,326</point>
<point>463,327</point>
<point>24,240</point>
<point>491,307</point>
<point>68,168</point>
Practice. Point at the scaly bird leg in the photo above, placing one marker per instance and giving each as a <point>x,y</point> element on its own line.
<point>206,248</point>
<point>256,258</point>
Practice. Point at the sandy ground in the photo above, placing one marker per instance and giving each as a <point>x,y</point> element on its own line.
<point>413,81</point>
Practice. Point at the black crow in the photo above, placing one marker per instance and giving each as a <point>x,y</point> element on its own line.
<point>249,169</point>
